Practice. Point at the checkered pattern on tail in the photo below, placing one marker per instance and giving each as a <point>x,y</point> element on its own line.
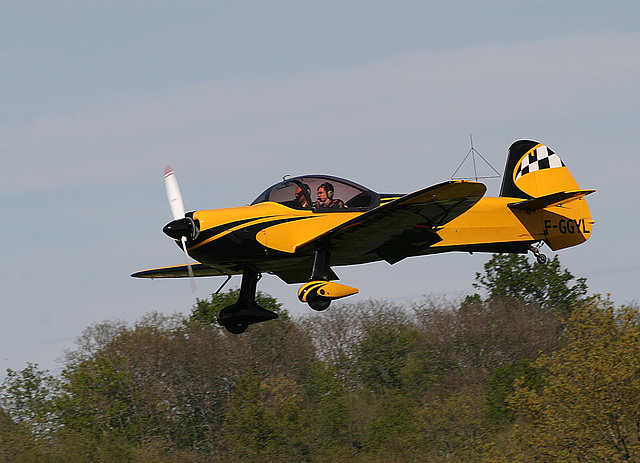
<point>538,159</point>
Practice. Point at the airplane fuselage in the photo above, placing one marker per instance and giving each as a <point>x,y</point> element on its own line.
<point>268,234</point>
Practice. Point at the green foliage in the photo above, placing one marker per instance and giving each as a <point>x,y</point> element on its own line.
<point>264,421</point>
<point>382,354</point>
<point>87,447</point>
<point>501,386</point>
<point>98,396</point>
<point>393,422</point>
<point>245,422</point>
<point>512,276</point>
<point>156,380</point>
<point>328,395</point>
<point>496,379</point>
<point>27,395</point>
<point>206,311</point>
<point>450,428</point>
<point>392,355</point>
<point>589,408</point>
<point>16,442</point>
<point>499,332</point>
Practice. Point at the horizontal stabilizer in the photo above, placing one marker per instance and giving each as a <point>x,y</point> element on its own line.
<point>549,200</point>
<point>182,271</point>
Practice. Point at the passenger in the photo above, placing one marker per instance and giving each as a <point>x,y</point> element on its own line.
<point>301,197</point>
<point>325,197</point>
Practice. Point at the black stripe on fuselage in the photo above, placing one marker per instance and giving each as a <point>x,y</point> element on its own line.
<point>211,232</point>
<point>239,246</point>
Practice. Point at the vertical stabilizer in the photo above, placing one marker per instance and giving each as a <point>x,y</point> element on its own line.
<point>534,170</point>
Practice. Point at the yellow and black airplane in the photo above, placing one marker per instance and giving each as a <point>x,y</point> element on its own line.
<point>300,228</point>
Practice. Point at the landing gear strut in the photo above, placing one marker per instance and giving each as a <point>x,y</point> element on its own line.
<point>542,259</point>
<point>237,317</point>
<point>319,273</point>
<point>321,263</point>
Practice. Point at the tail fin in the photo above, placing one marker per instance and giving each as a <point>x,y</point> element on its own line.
<point>546,189</point>
<point>533,170</point>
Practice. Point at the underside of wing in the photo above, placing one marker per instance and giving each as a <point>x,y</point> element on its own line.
<point>299,273</point>
<point>403,227</point>
<point>181,271</point>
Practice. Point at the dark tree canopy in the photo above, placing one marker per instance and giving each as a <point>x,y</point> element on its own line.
<point>548,284</point>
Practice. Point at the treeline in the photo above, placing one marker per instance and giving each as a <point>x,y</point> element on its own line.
<point>533,371</point>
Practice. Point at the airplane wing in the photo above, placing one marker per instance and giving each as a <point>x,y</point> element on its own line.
<point>402,227</point>
<point>181,271</point>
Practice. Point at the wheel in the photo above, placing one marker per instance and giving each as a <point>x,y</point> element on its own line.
<point>236,328</point>
<point>542,259</point>
<point>319,305</point>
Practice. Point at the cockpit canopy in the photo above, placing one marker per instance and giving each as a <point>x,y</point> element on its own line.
<point>301,193</point>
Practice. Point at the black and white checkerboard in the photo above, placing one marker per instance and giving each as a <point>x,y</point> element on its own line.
<point>538,159</point>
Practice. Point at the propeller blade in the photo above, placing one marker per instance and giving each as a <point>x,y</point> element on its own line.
<point>190,270</point>
<point>182,226</point>
<point>173,193</point>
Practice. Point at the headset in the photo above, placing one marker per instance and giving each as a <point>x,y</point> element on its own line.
<point>328,188</point>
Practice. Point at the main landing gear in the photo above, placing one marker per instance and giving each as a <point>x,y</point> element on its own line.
<point>318,293</point>
<point>246,311</point>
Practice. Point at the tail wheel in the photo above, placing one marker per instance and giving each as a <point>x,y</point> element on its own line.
<point>542,259</point>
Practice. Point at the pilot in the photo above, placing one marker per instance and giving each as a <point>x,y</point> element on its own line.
<point>325,197</point>
<point>301,197</point>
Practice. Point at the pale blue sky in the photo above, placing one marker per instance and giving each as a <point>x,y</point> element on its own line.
<point>98,97</point>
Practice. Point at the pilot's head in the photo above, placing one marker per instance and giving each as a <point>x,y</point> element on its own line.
<point>325,192</point>
<point>300,192</point>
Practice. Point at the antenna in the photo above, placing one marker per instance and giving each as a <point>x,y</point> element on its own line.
<point>473,153</point>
